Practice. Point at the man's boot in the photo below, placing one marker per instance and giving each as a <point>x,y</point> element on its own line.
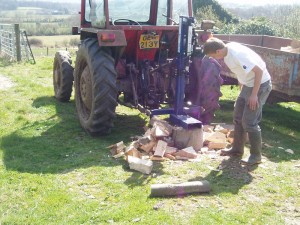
<point>239,138</point>
<point>255,149</point>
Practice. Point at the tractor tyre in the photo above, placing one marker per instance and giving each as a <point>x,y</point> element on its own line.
<point>62,76</point>
<point>95,87</point>
<point>207,84</point>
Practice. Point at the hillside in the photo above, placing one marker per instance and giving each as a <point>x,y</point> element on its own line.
<point>220,11</point>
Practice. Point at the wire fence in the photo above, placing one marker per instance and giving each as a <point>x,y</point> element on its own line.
<point>50,52</point>
<point>14,43</point>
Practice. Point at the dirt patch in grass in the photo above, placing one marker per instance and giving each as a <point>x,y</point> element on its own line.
<point>5,83</point>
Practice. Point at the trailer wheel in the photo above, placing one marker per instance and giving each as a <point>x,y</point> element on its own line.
<point>62,76</point>
<point>95,88</point>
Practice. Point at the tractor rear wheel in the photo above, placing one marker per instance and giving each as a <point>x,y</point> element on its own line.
<point>62,76</point>
<point>206,90</point>
<point>95,87</point>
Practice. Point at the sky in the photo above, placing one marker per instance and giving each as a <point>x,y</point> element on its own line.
<point>241,2</point>
<point>226,3</point>
<point>260,2</point>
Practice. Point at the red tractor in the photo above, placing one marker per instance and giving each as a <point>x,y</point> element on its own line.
<point>129,53</point>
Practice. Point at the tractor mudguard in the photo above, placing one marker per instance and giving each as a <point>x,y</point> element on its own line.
<point>111,38</point>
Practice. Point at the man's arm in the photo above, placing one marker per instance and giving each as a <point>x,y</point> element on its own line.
<point>253,99</point>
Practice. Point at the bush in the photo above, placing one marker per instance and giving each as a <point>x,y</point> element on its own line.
<point>255,26</point>
<point>35,42</point>
<point>74,41</point>
<point>258,26</point>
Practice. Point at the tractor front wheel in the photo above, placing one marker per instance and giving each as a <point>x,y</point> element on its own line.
<point>62,76</point>
<point>95,87</point>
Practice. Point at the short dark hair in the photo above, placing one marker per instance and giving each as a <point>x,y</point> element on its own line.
<point>212,45</point>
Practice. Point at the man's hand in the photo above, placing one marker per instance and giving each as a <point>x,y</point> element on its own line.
<point>253,102</point>
<point>253,99</point>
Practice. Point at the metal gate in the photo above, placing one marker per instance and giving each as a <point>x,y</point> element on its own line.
<point>14,43</point>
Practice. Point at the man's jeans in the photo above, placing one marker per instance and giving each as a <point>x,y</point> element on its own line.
<point>243,115</point>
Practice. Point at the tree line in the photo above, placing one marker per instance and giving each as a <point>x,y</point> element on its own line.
<point>273,20</point>
<point>58,5</point>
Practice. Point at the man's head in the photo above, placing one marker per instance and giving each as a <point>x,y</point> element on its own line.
<point>215,48</point>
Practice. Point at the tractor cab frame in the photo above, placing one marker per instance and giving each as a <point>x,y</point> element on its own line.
<point>133,52</point>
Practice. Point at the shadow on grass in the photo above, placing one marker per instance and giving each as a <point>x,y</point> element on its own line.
<point>229,177</point>
<point>280,128</point>
<point>58,144</point>
<point>140,179</point>
<point>5,61</point>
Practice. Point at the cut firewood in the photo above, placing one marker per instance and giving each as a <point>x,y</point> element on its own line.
<point>171,150</point>
<point>169,156</point>
<point>144,140</point>
<point>119,155</point>
<point>117,148</point>
<point>216,137</point>
<point>141,165</point>
<point>133,152</point>
<point>217,145</point>
<point>188,137</point>
<point>204,150</point>
<point>169,140</point>
<point>148,147</point>
<point>224,128</point>
<point>157,158</point>
<point>161,129</point>
<point>188,153</point>
<point>208,128</point>
<point>181,158</point>
<point>160,148</point>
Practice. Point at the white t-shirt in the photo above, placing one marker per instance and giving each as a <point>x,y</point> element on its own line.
<point>241,60</point>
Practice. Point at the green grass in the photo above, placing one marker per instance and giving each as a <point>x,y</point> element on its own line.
<point>52,172</point>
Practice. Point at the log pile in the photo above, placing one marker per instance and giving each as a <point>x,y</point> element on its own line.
<point>163,141</point>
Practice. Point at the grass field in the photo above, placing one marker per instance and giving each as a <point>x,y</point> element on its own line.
<point>51,41</point>
<point>57,40</point>
<point>52,172</point>
<point>49,45</point>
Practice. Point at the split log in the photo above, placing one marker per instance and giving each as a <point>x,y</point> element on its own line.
<point>141,165</point>
<point>216,137</point>
<point>117,148</point>
<point>185,138</point>
<point>148,147</point>
<point>181,189</point>
<point>161,129</point>
<point>217,145</point>
<point>160,148</point>
<point>169,156</point>
<point>187,153</point>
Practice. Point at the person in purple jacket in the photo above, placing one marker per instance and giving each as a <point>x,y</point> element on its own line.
<point>255,81</point>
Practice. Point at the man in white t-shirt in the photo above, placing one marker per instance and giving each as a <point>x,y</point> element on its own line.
<point>256,86</point>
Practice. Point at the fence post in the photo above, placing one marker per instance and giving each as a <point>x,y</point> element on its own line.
<point>18,42</point>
